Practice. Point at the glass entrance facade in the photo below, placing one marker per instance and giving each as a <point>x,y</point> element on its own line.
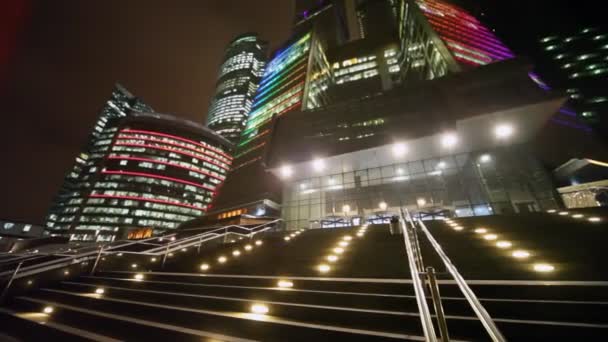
<point>502,180</point>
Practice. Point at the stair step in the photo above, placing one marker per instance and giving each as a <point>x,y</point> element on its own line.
<point>248,325</point>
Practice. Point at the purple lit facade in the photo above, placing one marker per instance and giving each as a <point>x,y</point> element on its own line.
<point>469,41</point>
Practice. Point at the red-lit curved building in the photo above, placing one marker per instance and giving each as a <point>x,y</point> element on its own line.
<point>143,174</point>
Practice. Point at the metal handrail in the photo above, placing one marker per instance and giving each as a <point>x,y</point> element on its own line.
<point>83,256</point>
<point>480,311</point>
<point>69,260</point>
<point>425,315</point>
<point>182,243</point>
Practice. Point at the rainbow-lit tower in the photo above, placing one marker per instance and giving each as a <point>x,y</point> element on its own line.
<point>438,37</point>
<point>295,79</point>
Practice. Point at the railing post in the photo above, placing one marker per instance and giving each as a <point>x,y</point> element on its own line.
<point>10,282</point>
<point>425,316</point>
<point>480,311</point>
<point>416,246</point>
<point>165,256</point>
<point>96,261</point>
<point>436,296</point>
<point>200,242</point>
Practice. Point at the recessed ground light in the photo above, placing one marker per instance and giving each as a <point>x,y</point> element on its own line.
<point>119,254</point>
<point>490,236</point>
<point>236,253</point>
<point>134,265</point>
<point>595,219</point>
<point>343,243</point>
<point>578,216</point>
<point>503,244</point>
<point>99,291</point>
<point>563,213</point>
<point>204,267</point>
<point>285,284</point>
<point>138,276</point>
<point>153,259</point>
<point>287,238</point>
<point>347,238</point>
<point>259,309</point>
<point>332,258</point>
<point>543,268</point>
<point>222,259</point>
<point>66,272</point>
<point>184,249</point>
<point>481,230</point>
<point>48,310</point>
<point>170,254</point>
<point>360,234</point>
<point>520,254</point>
<point>458,228</point>
<point>324,268</point>
<point>551,211</point>
<point>338,250</point>
<point>248,247</point>
<point>258,242</point>
<point>29,282</point>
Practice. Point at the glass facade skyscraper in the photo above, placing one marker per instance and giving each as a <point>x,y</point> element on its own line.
<point>295,78</point>
<point>240,73</point>
<point>140,171</point>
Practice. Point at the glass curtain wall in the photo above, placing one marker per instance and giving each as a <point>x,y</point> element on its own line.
<point>505,180</point>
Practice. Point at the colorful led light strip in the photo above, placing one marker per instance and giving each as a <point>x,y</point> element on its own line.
<point>265,113</point>
<point>178,138</point>
<point>289,79</point>
<point>135,198</point>
<point>470,40</point>
<point>150,175</point>
<point>278,58</point>
<point>259,135</point>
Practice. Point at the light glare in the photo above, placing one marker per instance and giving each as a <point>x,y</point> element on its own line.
<point>286,171</point>
<point>324,268</point>
<point>285,284</point>
<point>503,131</point>
<point>520,254</point>
<point>399,149</point>
<point>318,164</point>
<point>543,268</point>
<point>503,244</point>
<point>383,206</point>
<point>449,140</point>
<point>259,309</point>
<point>490,236</point>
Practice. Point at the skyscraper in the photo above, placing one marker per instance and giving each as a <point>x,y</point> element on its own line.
<point>140,173</point>
<point>240,73</point>
<point>577,62</point>
<point>296,77</point>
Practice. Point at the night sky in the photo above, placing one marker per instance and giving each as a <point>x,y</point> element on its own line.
<point>59,60</point>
